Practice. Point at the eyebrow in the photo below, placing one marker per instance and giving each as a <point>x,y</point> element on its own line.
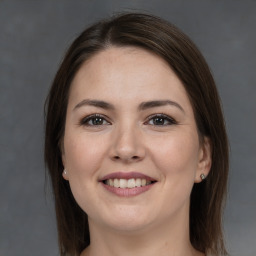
<point>159,103</point>
<point>143,106</point>
<point>95,103</point>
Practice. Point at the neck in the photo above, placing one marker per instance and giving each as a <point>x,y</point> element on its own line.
<point>163,239</point>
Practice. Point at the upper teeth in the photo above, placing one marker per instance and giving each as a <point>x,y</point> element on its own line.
<point>130,183</point>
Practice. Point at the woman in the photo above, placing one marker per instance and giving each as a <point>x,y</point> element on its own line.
<point>135,143</point>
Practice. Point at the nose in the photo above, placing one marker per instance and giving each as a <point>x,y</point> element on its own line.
<point>127,145</point>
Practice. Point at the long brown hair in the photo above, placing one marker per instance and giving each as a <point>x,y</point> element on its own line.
<point>168,42</point>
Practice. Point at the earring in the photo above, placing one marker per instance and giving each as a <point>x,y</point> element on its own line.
<point>65,172</point>
<point>202,176</point>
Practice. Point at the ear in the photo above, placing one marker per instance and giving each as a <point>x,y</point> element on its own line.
<point>204,160</point>
<point>63,158</point>
<point>65,172</point>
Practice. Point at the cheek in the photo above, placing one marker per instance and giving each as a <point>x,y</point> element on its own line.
<point>177,158</point>
<point>177,161</point>
<point>83,158</point>
<point>83,154</point>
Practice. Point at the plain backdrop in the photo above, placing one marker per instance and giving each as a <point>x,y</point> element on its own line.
<point>33,38</point>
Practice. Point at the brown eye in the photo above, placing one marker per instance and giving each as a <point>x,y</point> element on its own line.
<point>158,121</point>
<point>161,120</point>
<point>94,120</point>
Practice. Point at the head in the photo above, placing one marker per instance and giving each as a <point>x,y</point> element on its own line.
<point>153,38</point>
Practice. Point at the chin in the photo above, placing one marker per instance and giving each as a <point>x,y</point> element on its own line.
<point>129,226</point>
<point>127,219</point>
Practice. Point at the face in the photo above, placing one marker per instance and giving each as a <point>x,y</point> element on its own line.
<point>131,147</point>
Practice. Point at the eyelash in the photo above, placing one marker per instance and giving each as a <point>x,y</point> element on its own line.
<point>85,121</point>
<point>171,121</point>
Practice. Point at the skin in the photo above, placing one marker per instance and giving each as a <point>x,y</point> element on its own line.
<point>128,139</point>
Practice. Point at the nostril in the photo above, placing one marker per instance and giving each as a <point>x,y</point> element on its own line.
<point>126,158</point>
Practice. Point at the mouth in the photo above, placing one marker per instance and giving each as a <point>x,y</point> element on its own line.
<point>127,184</point>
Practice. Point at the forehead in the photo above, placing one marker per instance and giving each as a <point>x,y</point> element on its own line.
<point>114,60</point>
<point>123,54</point>
<point>127,72</point>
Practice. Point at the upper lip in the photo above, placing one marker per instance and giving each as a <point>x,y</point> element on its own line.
<point>127,175</point>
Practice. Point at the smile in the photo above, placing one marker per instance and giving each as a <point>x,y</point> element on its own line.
<point>130,183</point>
<point>127,184</point>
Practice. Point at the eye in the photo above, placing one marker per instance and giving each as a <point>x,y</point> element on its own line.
<point>94,120</point>
<point>160,120</point>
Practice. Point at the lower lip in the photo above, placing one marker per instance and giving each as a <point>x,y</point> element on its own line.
<point>127,192</point>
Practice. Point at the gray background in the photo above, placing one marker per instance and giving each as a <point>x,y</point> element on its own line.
<point>34,36</point>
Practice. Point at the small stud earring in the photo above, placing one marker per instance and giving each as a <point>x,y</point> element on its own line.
<point>65,172</point>
<point>202,176</point>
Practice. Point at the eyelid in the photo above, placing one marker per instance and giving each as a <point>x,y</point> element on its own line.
<point>170,119</point>
<point>86,119</point>
<point>89,117</point>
